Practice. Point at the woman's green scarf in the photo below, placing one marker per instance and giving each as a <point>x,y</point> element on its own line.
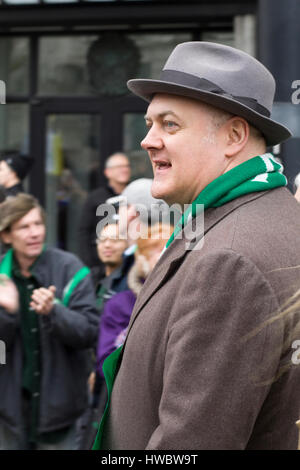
<point>257,174</point>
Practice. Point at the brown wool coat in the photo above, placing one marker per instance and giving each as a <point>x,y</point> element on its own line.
<point>189,376</point>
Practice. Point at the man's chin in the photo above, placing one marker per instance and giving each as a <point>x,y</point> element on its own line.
<point>159,192</point>
<point>34,252</point>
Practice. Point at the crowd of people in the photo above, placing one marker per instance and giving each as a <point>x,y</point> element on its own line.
<point>150,339</point>
<point>60,317</point>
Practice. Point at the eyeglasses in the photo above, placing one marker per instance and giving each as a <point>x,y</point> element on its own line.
<point>118,166</point>
<point>111,239</point>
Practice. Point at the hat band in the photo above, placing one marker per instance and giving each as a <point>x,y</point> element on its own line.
<point>187,79</point>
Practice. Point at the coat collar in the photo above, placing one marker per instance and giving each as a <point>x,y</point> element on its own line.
<point>8,262</point>
<point>176,252</point>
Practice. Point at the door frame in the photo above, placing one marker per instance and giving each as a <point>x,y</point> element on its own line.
<point>111,110</point>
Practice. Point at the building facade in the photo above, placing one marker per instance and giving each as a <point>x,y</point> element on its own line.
<point>65,65</point>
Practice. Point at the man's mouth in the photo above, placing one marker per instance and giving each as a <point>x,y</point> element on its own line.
<point>34,244</point>
<point>161,165</point>
<point>107,253</point>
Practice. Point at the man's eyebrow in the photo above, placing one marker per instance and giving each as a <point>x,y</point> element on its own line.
<point>162,115</point>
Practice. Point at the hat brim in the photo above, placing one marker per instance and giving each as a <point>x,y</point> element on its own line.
<point>274,132</point>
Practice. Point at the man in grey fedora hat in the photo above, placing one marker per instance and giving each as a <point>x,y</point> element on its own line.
<point>207,361</point>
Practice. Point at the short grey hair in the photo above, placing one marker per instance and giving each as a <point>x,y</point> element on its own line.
<point>219,117</point>
<point>111,158</point>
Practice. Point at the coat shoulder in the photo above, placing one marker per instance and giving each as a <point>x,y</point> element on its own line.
<point>62,257</point>
<point>265,229</point>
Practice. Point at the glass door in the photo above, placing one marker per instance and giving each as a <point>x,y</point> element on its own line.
<point>72,167</point>
<point>134,131</point>
<point>71,139</point>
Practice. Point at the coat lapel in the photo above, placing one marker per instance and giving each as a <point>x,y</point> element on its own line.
<point>174,254</point>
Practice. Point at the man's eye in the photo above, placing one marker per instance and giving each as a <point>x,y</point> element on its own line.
<point>170,124</point>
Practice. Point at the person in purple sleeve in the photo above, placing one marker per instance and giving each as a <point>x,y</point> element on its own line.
<point>117,310</point>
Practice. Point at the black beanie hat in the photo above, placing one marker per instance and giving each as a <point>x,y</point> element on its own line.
<point>18,162</point>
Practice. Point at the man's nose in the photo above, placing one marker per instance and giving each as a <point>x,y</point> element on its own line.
<point>34,231</point>
<point>152,140</point>
<point>108,242</point>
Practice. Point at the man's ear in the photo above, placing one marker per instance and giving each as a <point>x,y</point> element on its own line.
<point>297,194</point>
<point>5,236</point>
<point>106,173</point>
<point>237,135</point>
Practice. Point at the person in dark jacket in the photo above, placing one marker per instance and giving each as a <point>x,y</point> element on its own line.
<point>48,322</point>
<point>117,172</point>
<point>14,167</point>
<point>110,249</point>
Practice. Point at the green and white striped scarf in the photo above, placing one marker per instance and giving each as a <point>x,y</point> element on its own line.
<point>260,173</point>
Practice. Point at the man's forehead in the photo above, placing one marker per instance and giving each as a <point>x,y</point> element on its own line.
<point>118,159</point>
<point>164,101</point>
<point>33,214</point>
<point>163,104</point>
<point>108,230</point>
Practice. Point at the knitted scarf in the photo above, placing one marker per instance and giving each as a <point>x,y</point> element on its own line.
<point>260,173</point>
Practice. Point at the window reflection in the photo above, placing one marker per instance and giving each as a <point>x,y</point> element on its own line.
<point>89,64</point>
<point>72,170</point>
<point>14,127</point>
<point>14,64</point>
<point>134,130</point>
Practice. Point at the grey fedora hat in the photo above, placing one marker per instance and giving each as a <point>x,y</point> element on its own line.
<point>221,76</point>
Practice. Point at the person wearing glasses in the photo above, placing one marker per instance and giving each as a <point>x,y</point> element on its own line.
<point>117,171</point>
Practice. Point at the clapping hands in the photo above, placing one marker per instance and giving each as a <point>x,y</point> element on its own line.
<point>9,295</point>
<point>43,300</point>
